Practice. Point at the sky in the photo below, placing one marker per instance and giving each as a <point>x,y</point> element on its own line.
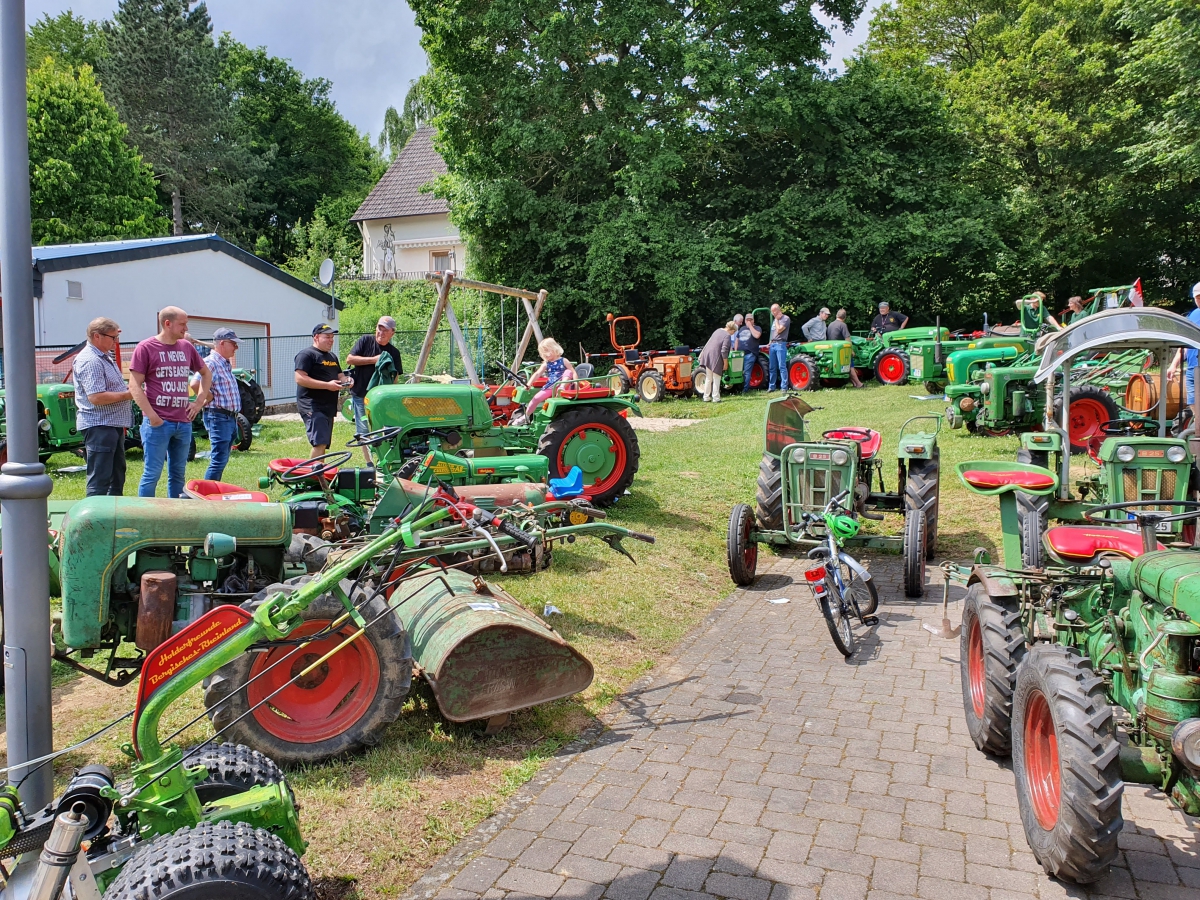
<point>369,49</point>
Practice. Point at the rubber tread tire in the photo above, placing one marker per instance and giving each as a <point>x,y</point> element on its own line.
<point>1031,514</point>
<point>923,491</point>
<point>845,646</point>
<point>768,496</point>
<point>655,377</point>
<point>916,540</point>
<point>903,358</point>
<point>410,468</point>
<point>254,401</point>
<point>1003,649</point>
<point>934,387</point>
<point>557,431</point>
<point>225,695</point>
<point>625,386</point>
<point>239,861</point>
<point>814,379</point>
<point>872,593</point>
<point>1083,842</point>
<point>1090,392</point>
<point>245,437</point>
<point>232,769</point>
<point>699,376</point>
<point>734,546</point>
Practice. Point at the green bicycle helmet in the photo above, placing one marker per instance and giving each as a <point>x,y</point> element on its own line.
<point>843,527</point>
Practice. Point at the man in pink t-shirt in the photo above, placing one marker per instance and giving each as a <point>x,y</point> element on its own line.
<point>158,380</point>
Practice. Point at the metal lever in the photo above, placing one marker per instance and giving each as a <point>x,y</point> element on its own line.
<point>487,536</point>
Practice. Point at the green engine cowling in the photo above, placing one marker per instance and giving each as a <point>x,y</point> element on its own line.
<point>459,470</point>
<point>107,543</point>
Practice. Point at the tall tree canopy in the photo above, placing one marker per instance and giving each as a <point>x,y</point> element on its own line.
<point>68,39</point>
<point>86,183</point>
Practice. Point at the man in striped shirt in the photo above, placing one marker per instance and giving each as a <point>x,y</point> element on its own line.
<point>102,409</point>
<point>220,416</point>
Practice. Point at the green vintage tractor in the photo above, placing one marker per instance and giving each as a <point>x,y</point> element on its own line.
<point>801,474</point>
<point>1110,619</point>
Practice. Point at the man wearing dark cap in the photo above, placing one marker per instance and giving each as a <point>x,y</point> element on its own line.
<point>887,320</point>
<point>364,356</point>
<point>220,416</point>
<point>318,381</point>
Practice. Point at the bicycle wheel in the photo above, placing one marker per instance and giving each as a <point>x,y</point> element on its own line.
<point>837,617</point>
<point>863,595</point>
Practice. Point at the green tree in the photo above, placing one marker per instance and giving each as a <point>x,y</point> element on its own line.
<point>163,76</point>
<point>399,127</point>
<point>67,38</point>
<point>86,183</point>
<point>308,152</point>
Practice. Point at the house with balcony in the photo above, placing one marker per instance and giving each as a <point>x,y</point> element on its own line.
<point>407,232</point>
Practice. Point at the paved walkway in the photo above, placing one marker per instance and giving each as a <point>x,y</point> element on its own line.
<point>761,766</point>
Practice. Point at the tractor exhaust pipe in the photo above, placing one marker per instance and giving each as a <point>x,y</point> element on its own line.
<point>937,341</point>
<point>59,854</point>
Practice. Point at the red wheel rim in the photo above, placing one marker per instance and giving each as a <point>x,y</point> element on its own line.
<point>591,464</point>
<point>749,548</point>
<point>891,369</point>
<point>757,376</point>
<point>800,376</point>
<point>1086,416</point>
<point>1041,760</point>
<point>975,672</point>
<point>322,704</point>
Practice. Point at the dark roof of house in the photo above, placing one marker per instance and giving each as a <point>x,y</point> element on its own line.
<point>399,190</point>
<point>59,257</point>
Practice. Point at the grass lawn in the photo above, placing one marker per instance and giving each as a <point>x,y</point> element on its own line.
<point>378,820</point>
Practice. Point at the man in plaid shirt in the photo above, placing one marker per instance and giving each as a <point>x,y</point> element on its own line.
<point>102,408</point>
<point>220,416</point>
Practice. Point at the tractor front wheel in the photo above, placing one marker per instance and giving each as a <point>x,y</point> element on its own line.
<point>934,387</point>
<point>1066,762</point>
<point>650,386</point>
<point>769,494</point>
<point>758,376</point>
<point>740,545</point>
<point>298,710</point>
<point>802,374</point>
<point>601,443</point>
<point>923,491</point>
<point>916,539</point>
<point>1031,513</point>
<point>990,649</point>
<point>213,861</point>
<point>700,378</point>
<point>892,367</point>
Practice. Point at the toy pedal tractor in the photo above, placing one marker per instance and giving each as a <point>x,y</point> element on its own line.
<point>798,475</point>
<point>1110,619</point>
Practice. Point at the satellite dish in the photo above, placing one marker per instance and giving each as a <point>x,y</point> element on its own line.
<point>325,276</point>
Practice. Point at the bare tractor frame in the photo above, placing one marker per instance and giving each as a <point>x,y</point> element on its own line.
<point>799,476</point>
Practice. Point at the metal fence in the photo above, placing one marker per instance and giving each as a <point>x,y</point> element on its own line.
<point>272,358</point>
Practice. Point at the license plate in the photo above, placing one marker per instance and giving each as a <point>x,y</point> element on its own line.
<point>1164,527</point>
<point>918,365</point>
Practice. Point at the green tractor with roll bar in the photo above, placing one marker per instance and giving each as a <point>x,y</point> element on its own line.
<point>219,820</point>
<point>800,474</point>
<point>1110,618</point>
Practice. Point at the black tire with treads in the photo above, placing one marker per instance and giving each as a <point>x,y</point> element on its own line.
<point>1031,514</point>
<point>923,491</point>
<point>254,401</point>
<point>1081,843</point>
<point>769,494</point>
<point>995,624</point>
<point>740,548</point>
<point>232,769</point>
<point>244,435</point>
<point>915,543</point>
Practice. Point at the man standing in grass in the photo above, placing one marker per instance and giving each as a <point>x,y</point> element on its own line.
<point>158,380</point>
<point>777,348</point>
<point>318,380</point>
<point>220,416</point>
<point>102,409</point>
<point>364,357</point>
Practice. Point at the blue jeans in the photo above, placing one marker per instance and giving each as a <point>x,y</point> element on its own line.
<point>168,443</point>
<point>748,362</point>
<point>778,356</point>
<point>1189,380</point>
<point>360,414</point>
<point>222,430</point>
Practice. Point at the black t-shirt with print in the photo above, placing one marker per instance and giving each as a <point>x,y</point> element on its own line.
<point>321,367</point>
<point>368,346</point>
<point>891,322</point>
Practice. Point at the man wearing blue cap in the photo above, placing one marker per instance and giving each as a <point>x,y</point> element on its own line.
<point>220,416</point>
<point>1190,358</point>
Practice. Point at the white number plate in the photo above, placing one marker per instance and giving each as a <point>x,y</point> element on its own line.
<point>1164,527</point>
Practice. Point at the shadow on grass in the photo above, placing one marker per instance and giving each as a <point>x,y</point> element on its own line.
<point>570,625</point>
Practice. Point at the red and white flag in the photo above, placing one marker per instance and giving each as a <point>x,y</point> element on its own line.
<point>1135,293</point>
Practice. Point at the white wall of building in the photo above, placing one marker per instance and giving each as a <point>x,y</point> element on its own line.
<point>413,243</point>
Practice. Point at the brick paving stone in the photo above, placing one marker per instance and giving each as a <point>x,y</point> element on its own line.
<point>843,780</point>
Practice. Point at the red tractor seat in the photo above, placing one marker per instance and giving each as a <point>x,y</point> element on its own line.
<point>199,489</point>
<point>868,444</point>
<point>988,480</point>
<point>280,466</point>
<point>1083,542</point>
<point>585,391</point>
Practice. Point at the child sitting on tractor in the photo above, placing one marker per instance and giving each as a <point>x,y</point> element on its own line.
<point>554,368</point>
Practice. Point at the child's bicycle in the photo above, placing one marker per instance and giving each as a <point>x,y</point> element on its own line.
<point>841,585</point>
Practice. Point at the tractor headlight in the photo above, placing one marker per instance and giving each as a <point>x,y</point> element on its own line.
<point>840,457</point>
<point>1125,453</point>
<point>798,456</point>
<point>1176,454</point>
<point>985,388</point>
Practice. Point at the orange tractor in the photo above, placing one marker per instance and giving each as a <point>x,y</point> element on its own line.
<point>653,373</point>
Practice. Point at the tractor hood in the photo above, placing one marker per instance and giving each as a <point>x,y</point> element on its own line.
<point>1170,577</point>
<point>99,533</point>
<point>427,406</point>
<point>1114,330</point>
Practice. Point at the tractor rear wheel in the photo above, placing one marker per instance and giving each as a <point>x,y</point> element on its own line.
<point>769,494</point>
<point>213,861</point>
<point>601,443</point>
<point>1066,762</point>
<point>740,546</point>
<point>916,539</point>
<point>618,380</point>
<point>991,647</point>
<point>254,401</point>
<point>1090,408</point>
<point>341,706</point>
<point>891,367</point>
<point>923,491</point>
<point>245,437</point>
<point>802,374</point>
<point>1031,513</point>
<point>700,376</point>
<point>650,386</point>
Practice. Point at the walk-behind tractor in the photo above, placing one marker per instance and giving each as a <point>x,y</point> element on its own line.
<point>651,373</point>
<point>1110,619</point>
<point>798,476</point>
<point>325,658</point>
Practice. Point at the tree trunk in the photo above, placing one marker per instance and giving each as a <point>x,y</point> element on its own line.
<point>177,211</point>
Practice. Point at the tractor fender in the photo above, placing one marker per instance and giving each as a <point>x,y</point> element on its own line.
<point>855,566</point>
<point>994,581</point>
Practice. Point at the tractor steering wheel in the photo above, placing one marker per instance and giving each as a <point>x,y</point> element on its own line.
<point>514,376</point>
<point>859,435</point>
<point>375,438</point>
<point>303,471</point>
<point>1191,510</point>
<point>1127,426</point>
